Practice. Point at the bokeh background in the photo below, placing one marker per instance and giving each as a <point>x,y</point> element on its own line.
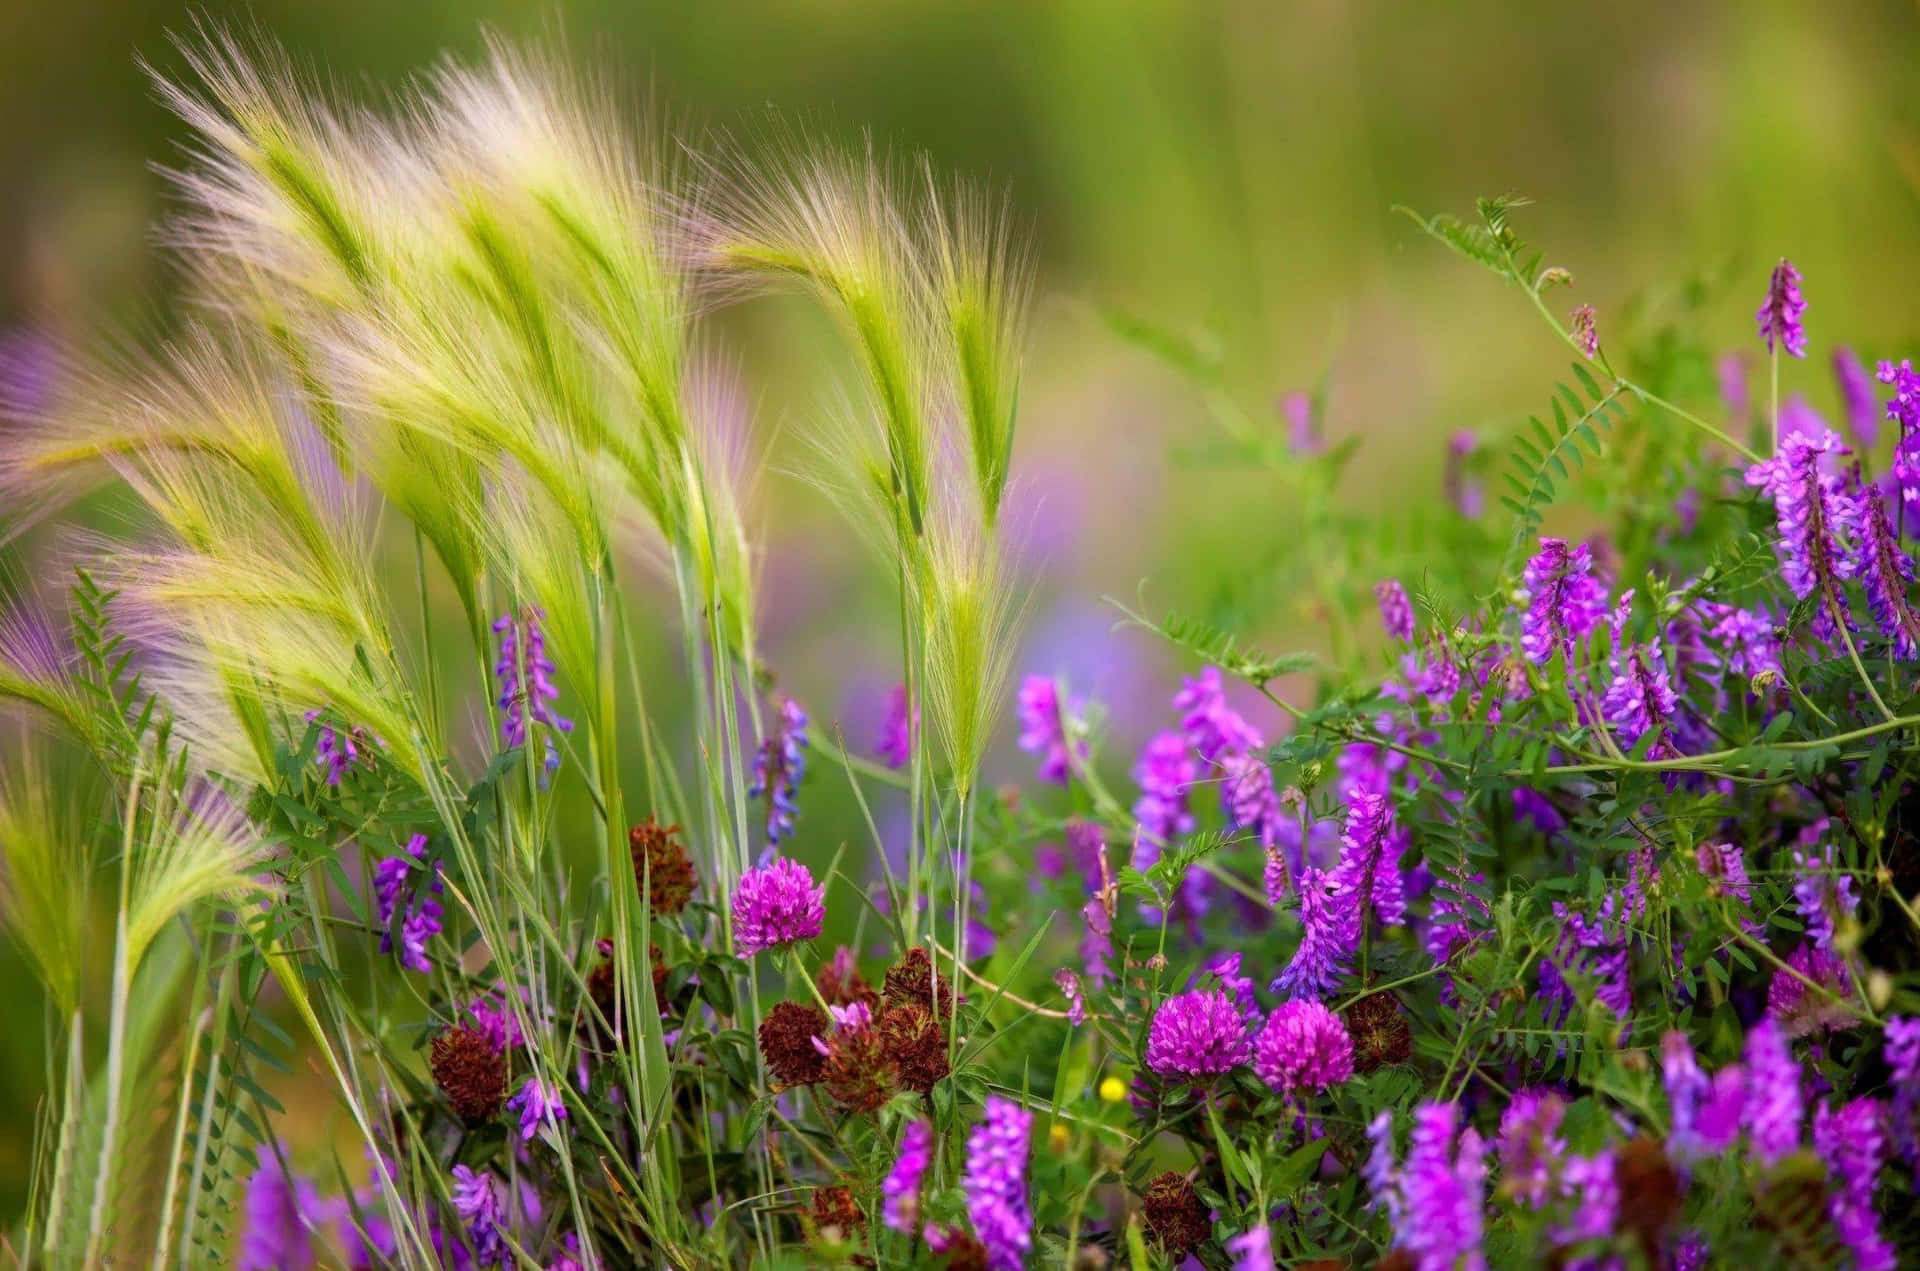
<point>1224,167</point>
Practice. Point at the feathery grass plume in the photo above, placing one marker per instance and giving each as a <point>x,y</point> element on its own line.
<point>553,152</point>
<point>197,845</point>
<point>982,280</point>
<point>49,819</point>
<point>966,613</point>
<point>833,220</point>
<point>722,464</point>
<point>34,670</point>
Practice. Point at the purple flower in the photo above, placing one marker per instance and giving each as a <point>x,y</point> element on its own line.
<point>1724,864</point>
<point>534,1102</point>
<point>274,1235</point>
<point>527,690</point>
<point>1212,727</point>
<point>1851,1145</point>
<point>1589,1182</point>
<point>1096,941</point>
<point>1369,873</point>
<point>777,768</point>
<point>1463,491</point>
<point>1530,1148</point>
<point>1396,611</point>
<point>1564,600</point>
<point>1252,1249</point>
<point>1772,1115</point>
<point>1781,313</point>
<point>1044,728</point>
<point>995,1183</point>
<point>1304,1046</point>
<point>478,1202</point>
<point>1246,785</point>
<point>493,1017</point>
<point>1822,892</point>
<point>1068,983</point>
<point>1691,1253</point>
<point>1798,1007</point>
<point>1730,371</point>
<point>1813,511</point>
<point>336,750</point>
<point>1857,397</point>
<point>1903,1064</point>
<point>1590,948</point>
<point>1586,330</point>
<point>1303,425</point>
<point>1435,1201</point>
<point>1903,409</point>
<point>776,905</point>
<point>568,1259</point>
<point>1332,923</point>
<point>1197,1035</point>
<point>895,746</point>
<point>396,883</point>
<point>900,1189</point>
<point>1885,571</point>
<point>1225,967</point>
<point>1686,1088</point>
<point>1640,699</point>
<point>1166,771</point>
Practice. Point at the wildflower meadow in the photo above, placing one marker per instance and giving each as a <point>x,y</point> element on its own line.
<point>1562,913</point>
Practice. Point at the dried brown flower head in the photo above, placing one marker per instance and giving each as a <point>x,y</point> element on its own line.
<point>859,1074</point>
<point>842,984</point>
<point>1176,1216</point>
<point>1379,1031</point>
<point>471,1071</point>
<point>786,1043</point>
<point>662,870</point>
<point>916,1044</point>
<point>1649,1193</point>
<point>833,1207</point>
<point>913,979</point>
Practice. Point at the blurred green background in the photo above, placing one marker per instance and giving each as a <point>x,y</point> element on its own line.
<point>1226,167</point>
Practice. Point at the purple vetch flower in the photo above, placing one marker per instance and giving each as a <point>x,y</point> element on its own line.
<point>1590,948</point>
<point>1686,1087</point>
<point>1463,491</point>
<point>1857,397</point>
<point>1724,864</point>
<point>1903,410</point>
<point>1197,1035</point>
<point>995,1183</point>
<point>1781,313</point>
<point>1530,1148</point>
<point>1435,1200</point>
<point>1886,573</point>
<point>1822,892</point>
<point>1396,611</point>
<point>527,690</point>
<point>1743,640</point>
<point>1369,871</point>
<point>337,750</point>
<point>777,905</point>
<point>1564,600</point>
<point>1166,772</point>
<point>1096,941</point>
<point>1332,922</point>
<point>895,746</point>
<point>900,1189</point>
<point>1303,1047</point>
<point>1303,425</point>
<point>1691,1253</point>
<point>1640,699</point>
<point>1211,726</point>
<point>494,1018</point>
<point>1045,727</point>
<point>1069,985</point>
<point>397,885</point>
<point>1903,1066</point>
<point>1252,1249</point>
<point>777,768</point>
<point>1586,330</point>
<point>478,1202</point>
<point>534,1102</point>
<point>1814,511</point>
<point>274,1235</point>
<point>1772,1115</point>
<point>1246,787</point>
<point>568,1259</point>
<point>1851,1145</point>
<point>1225,967</point>
<point>1590,1183</point>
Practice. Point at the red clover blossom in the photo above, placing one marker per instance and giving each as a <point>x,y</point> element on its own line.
<point>1303,1047</point>
<point>1197,1035</point>
<point>777,905</point>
